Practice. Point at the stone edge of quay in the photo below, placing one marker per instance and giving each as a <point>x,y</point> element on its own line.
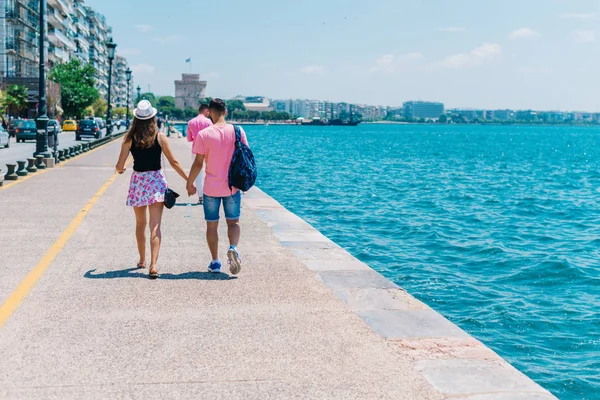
<point>453,362</point>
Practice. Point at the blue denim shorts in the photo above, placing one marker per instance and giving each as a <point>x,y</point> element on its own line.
<point>231,205</point>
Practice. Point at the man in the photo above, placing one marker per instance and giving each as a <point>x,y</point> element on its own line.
<point>216,145</point>
<point>194,126</point>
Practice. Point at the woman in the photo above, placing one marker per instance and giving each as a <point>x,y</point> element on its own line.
<point>148,184</point>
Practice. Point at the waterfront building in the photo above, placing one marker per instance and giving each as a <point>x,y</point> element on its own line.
<point>189,91</point>
<point>19,27</point>
<point>503,115</point>
<point>74,30</point>
<point>120,82</point>
<point>256,103</point>
<point>61,40</point>
<point>423,109</point>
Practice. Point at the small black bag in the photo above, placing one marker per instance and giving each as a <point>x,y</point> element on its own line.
<point>170,198</point>
<point>170,195</point>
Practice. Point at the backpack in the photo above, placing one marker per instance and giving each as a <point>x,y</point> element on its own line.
<point>242,171</point>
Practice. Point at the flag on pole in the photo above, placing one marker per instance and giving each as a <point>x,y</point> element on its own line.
<point>189,60</point>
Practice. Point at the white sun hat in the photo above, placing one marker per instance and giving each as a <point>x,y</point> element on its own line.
<point>144,110</point>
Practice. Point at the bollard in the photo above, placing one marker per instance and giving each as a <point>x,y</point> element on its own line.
<point>84,147</point>
<point>61,155</point>
<point>40,162</point>
<point>10,173</point>
<point>67,153</point>
<point>71,152</point>
<point>21,171</point>
<point>31,168</point>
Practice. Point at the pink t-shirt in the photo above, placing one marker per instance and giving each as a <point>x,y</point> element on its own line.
<point>217,144</point>
<point>196,125</point>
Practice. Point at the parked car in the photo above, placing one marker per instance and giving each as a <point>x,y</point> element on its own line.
<point>26,130</point>
<point>12,127</point>
<point>101,123</point>
<point>4,138</point>
<point>69,125</point>
<point>88,128</point>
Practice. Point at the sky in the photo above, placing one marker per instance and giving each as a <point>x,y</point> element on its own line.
<point>525,54</point>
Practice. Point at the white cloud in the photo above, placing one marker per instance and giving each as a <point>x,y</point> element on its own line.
<point>453,29</point>
<point>524,33</point>
<point>390,63</point>
<point>143,28</point>
<point>168,39</point>
<point>584,36</point>
<point>129,52</point>
<point>143,69</point>
<point>487,52</point>
<point>212,75</point>
<point>313,70</point>
<point>579,16</point>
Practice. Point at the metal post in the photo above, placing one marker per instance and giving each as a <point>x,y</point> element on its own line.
<point>41,146</point>
<point>111,46</point>
<point>128,76</point>
<point>109,108</point>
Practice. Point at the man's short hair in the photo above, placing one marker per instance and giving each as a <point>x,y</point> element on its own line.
<point>203,107</point>
<point>217,105</point>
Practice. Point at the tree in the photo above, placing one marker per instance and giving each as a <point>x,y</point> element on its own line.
<point>234,105</point>
<point>165,105</point>
<point>77,86</point>
<point>147,96</point>
<point>190,113</point>
<point>15,100</point>
<point>121,111</point>
<point>99,107</point>
<point>443,119</point>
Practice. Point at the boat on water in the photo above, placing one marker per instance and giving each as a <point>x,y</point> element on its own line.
<point>331,122</point>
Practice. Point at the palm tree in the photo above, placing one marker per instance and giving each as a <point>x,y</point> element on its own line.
<point>15,99</point>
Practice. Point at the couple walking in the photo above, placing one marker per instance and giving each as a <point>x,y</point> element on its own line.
<point>214,148</point>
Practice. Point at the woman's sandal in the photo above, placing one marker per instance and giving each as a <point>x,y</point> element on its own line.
<point>141,265</point>
<point>153,273</point>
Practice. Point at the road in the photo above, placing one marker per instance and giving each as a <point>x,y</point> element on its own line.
<point>22,151</point>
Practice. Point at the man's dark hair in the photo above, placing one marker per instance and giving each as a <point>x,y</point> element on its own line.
<point>217,105</point>
<point>203,107</point>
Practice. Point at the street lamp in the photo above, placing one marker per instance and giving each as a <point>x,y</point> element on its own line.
<point>41,145</point>
<point>128,75</point>
<point>112,46</point>
<point>139,90</point>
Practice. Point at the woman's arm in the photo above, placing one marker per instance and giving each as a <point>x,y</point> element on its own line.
<point>125,147</point>
<point>166,148</point>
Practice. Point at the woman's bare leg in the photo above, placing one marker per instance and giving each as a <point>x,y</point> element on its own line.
<point>156,211</point>
<point>140,232</point>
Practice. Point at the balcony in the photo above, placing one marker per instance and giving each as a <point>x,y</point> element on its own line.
<point>58,54</point>
<point>60,5</point>
<point>55,18</point>
<point>59,39</point>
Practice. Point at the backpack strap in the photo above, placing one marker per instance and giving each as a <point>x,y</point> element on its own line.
<point>238,135</point>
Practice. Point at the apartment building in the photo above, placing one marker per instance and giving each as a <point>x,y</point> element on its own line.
<point>73,30</point>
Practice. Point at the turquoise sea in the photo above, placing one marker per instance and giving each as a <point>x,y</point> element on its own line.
<point>496,227</point>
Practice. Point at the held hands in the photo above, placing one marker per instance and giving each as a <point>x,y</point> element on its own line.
<point>191,189</point>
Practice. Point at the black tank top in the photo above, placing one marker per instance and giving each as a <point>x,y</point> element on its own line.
<point>146,159</point>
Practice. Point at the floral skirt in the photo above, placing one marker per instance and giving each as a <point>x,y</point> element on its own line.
<point>146,188</point>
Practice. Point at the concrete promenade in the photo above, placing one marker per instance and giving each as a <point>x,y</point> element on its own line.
<point>304,319</point>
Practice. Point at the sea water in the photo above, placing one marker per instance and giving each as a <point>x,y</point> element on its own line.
<point>495,227</point>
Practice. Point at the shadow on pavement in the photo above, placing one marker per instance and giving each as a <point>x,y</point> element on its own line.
<point>132,273</point>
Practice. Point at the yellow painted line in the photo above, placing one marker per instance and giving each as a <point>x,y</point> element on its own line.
<point>18,295</point>
<point>8,184</point>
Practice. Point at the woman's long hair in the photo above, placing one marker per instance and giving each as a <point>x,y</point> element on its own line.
<point>143,132</point>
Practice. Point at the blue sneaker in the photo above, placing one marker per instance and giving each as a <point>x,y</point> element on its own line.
<point>235,261</point>
<point>214,267</point>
